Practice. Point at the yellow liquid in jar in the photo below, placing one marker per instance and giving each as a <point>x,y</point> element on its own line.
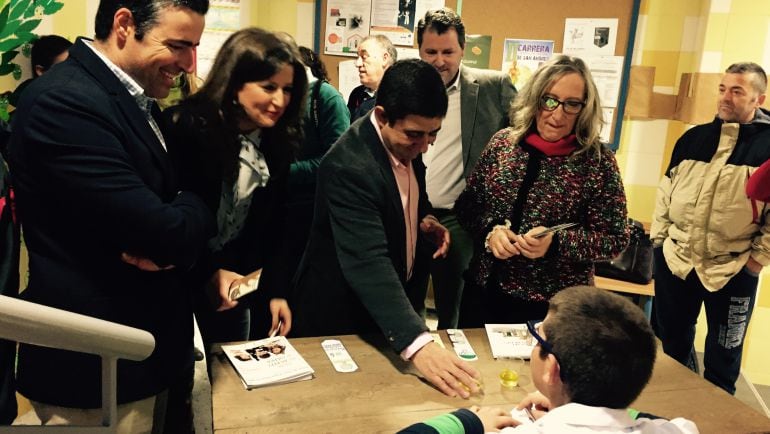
<point>509,378</point>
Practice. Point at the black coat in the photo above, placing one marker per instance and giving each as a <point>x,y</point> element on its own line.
<point>92,181</point>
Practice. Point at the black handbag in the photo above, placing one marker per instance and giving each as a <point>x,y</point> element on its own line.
<point>634,264</point>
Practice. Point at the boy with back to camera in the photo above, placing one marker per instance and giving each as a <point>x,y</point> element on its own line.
<point>590,342</point>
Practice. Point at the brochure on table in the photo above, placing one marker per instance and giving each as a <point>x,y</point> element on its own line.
<point>510,340</point>
<point>267,362</point>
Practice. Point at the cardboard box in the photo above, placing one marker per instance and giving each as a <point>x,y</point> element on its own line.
<point>640,82</point>
<point>696,102</point>
<point>662,106</point>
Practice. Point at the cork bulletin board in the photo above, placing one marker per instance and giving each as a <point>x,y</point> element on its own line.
<point>526,19</point>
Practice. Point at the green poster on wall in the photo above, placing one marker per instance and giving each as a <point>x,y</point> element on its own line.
<point>477,48</point>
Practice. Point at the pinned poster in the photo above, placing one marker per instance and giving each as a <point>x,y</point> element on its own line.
<point>477,48</point>
<point>595,36</point>
<point>397,19</point>
<point>223,19</point>
<point>347,24</point>
<point>522,57</point>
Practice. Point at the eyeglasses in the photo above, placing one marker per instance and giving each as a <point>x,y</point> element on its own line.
<point>549,103</point>
<point>533,327</point>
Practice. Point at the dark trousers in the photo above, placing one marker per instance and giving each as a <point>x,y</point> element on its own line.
<point>7,383</point>
<point>226,326</point>
<point>447,273</point>
<point>728,311</point>
<point>481,306</point>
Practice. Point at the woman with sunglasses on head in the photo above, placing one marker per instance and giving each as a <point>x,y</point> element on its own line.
<point>233,142</point>
<point>548,168</point>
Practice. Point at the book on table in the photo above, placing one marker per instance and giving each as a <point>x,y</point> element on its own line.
<point>267,362</point>
<point>510,340</point>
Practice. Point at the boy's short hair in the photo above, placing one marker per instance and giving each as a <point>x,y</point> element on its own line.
<point>604,344</point>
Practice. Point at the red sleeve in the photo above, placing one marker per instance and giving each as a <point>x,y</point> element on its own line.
<point>758,186</point>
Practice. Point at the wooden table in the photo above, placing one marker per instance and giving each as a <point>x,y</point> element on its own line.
<point>644,292</point>
<point>384,395</point>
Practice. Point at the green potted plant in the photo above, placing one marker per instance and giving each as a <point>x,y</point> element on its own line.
<point>18,20</point>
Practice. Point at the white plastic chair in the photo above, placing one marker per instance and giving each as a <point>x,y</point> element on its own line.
<point>35,324</point>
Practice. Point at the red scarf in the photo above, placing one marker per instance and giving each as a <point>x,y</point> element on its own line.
<point>563,146</point>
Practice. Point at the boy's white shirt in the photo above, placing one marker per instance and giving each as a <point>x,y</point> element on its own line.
<point>578,419</point>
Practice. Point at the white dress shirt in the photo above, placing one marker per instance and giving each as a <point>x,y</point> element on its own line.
<point>582,419</point>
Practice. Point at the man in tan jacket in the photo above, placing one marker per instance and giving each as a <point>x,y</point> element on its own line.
<point>712,240</point>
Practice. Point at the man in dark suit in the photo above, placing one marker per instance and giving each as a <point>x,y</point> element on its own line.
<point>97,196</point>
<point>479,101</point>
<point>371,232</point>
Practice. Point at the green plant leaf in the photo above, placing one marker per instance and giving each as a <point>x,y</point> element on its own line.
<point>4,15</point>
<point>9,28</point>
<point>53,8</point>
<point>26,36</point>
<point>30,12</point>
<point>10,44</point>
<point>8,56</point>
<point>18,9</point>
<point>28,26</point>
<point>6,68</point>
<point>16,71</point>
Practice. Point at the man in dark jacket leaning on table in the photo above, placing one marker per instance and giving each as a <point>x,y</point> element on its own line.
<point>370,238</point>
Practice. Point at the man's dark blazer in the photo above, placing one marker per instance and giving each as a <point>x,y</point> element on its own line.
<point>93,180</point>
<point>352,278</point>
<point>485,100</point>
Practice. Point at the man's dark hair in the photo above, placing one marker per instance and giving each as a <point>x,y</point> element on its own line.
<point>412,87</point>
<point>759,80</point>
<point>440,21</point>
<point>604,344</point>
<point>145,13</point>
<point>46,49</point>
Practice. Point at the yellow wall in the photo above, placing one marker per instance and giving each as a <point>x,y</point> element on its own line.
<point>71,20</point>
<point>275,15</point>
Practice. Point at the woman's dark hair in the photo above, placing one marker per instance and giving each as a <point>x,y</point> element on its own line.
<point>312,61</point>
<point>251,55</point>
<point>46,49</point>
